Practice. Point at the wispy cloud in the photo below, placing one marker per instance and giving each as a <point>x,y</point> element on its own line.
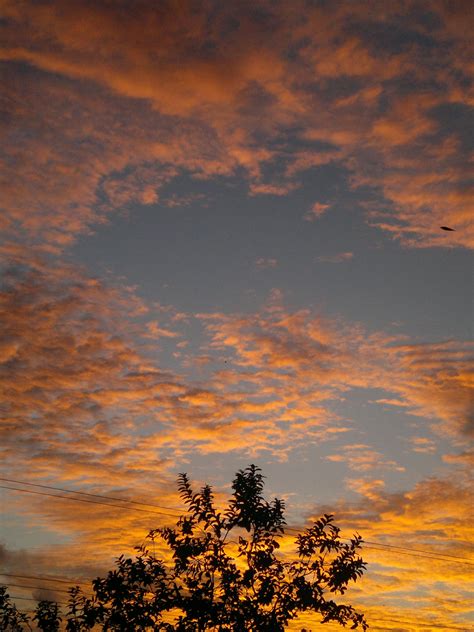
<point>341,257</point>
<point>264,263</point>
<point>316,211</point>
<point>423,445</point>
<point>371,488</point>
<point>363,458</point>
<point>435,380</point>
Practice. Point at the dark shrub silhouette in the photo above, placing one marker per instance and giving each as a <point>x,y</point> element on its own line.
<point>11,619</point>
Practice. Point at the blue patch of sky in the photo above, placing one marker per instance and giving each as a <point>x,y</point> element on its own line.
<point>455,119</point>
<point>202,257</point>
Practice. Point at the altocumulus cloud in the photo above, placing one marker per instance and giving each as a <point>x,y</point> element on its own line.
<point>227,108</point>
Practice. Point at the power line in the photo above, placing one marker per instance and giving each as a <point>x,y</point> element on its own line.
<point>381,546</point>
<point>406,550</point>
<point>66,592</point>
<point>73,491</point>
<point>15,597</point>
<point>427,557</point>
<point>36,587</point>
<point>427,625</point>
<point>35,599</point>
<point>46,579</point>
<point>83,500</point>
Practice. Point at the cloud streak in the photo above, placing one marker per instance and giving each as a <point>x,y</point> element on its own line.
<point>340,257</point>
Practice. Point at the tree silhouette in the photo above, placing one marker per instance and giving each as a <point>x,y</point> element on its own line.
<point>215,583</point>
<point>11,619</point>
<point>47,616</point>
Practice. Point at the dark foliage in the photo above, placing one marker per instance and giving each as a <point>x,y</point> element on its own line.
<point>210,586</point>
<point>47,616</point>
<point>10,618</point>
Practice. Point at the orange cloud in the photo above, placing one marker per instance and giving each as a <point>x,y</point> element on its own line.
<point>271,379</point>
<point>424,445</point>
<point>116,109</point>
<point>82,401</point>
<point>362,458</point>
<point>105,106</point>
<point>65,355</point>
<point>427,581</point>
<point>155,331</point>
<point>65,366</point>
<point>436,381</point>
<point>316,211</point>
<point>369,488</point>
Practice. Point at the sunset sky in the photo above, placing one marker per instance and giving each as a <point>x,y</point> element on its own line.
<point>221,245</point>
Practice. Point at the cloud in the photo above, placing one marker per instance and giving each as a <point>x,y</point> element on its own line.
<point>435,380</point>
<point>82,400</point>
<point>264,263</point>
<point>273,189</point>
<point>155,331</point>
<point>466,457</point>
<point>423,445</point>
<point>430,380</point>
<point>84,405</point>
<point>316,211</point>
<point>432,523</point>
<point>74,348</point>
<point>369,488</point>
<point>362,458</point>
<point>338,258</point>
<point>70,373</point>
<point>105,115</point>
<point>80,157</point>
<point>81,404</point>
<point>104,106</point>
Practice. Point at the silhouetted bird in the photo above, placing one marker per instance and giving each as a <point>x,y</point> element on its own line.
<point>447,228</point>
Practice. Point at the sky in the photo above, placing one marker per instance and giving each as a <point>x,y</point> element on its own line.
<point>221,245</point>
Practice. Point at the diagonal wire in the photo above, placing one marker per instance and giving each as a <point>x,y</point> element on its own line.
<point>73,491</point>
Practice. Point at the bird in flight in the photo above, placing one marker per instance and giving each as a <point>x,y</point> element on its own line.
<point>447,228</point>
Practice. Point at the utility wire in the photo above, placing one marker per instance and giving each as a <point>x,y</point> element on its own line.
<point>382,546</point>
<point>372,620</point>
<point>409,551</point>
<point>425,625</point>
<point>73,491</point>
<point>404,548</point>
<point>91,502</point>
<point>46,579</point>
<point>15,597</point>
<point>66,592</point>
<point>427,557</point>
